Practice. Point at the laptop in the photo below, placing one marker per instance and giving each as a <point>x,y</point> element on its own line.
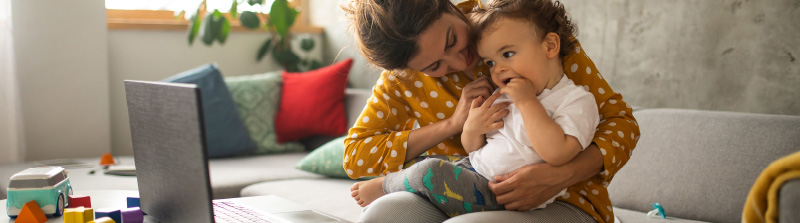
<point>167,133</point>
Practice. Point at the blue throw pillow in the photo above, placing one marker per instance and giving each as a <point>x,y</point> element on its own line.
<point>226,135</point>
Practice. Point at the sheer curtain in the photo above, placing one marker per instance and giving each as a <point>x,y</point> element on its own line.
<point>10,117</point>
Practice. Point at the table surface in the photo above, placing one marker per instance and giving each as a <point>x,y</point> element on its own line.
<point>100,199</point>
<point>117,199</point>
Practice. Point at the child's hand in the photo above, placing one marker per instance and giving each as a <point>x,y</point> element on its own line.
<point>484,117</point>
<point>520,90</point>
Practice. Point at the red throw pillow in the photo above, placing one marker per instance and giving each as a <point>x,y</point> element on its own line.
<point>312,103</point>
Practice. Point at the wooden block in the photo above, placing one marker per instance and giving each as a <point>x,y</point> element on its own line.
<point>78,215</point>
<point>77,200</point>
<point>31,213</point>
<point>103,220</point>
<point>133,202</point>
<point>112,213</point>
<point>132,215</point>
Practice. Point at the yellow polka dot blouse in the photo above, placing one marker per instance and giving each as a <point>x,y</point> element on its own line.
<point>377,143</point>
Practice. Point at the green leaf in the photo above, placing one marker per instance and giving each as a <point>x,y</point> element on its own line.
<point>250,20</point>
<point>262,51</point>
<point>254,2</point>
<point>282,17</point>
<point>284,56</point>
<point>234,9</point>
<point>224,30</point>
<point>307,44</point>
<point>315,65</point>
<point>211,28</point>
<point>194,26</point>
<point>178,14</point>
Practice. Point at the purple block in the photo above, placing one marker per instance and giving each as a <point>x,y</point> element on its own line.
<point>112,213</point>
<point>132,215</point>
<point>133,202</point>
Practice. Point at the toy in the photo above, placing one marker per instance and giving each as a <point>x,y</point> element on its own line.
<point>112,213</point>
<point>133,202</point>
<point>31,213</point>
<point>103,220</point>
<point>78,215</point>
<point>48,186</point>
<point>76,200</point>
<point>106,160</point>
<point>132,215</point>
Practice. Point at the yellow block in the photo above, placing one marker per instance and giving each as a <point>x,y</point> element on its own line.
<point>78,215</point>
<point>103,220</point>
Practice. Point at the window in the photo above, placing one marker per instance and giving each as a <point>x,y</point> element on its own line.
<point>174,14</point>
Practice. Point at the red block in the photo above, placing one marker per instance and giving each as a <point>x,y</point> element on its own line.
<point>77,200</point>
<point>31,213</point>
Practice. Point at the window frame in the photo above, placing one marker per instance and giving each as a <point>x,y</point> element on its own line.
<point>123,19</point>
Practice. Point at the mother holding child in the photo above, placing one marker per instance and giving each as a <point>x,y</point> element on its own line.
<point>512,116</point>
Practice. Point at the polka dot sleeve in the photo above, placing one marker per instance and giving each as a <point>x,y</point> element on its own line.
<point>618,132</point>
<point>616,136</point>
<point>377,142</point>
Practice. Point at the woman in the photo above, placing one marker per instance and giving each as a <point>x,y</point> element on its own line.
<point>432,74</point>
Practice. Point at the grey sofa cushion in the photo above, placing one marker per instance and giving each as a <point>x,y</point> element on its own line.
<point>331,196</point>
<point>230,175</point>
<point>626,216</point>
<point>701,164</point>
<point>789,201</point>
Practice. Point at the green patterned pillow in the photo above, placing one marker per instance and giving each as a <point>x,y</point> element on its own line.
<point>257,98</point>
<point>325,160</point>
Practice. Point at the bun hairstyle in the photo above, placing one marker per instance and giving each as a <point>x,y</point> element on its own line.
<point>546,15</point>
<point>386,31</point>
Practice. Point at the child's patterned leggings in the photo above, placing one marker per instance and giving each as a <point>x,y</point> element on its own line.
<point>452,186</point>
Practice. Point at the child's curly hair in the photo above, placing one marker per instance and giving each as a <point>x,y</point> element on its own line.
<point>546,15</point>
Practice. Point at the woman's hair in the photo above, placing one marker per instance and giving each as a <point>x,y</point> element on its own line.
<point>546,15</point>
<point>386,31</point>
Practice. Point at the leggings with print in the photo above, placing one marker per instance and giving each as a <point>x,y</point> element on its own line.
<point>448,182</point>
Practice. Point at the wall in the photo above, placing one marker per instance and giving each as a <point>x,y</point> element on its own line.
<point>152,55</point>
<point>10,132</point>
<point>339,42</point>
<point>62,67</point>
<point>711,55</point>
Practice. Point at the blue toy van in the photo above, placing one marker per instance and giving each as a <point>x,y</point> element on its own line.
<point>48,186</point>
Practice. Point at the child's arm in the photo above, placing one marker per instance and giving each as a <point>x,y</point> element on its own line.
<point>554,138</point>
<point>483,117</point>
<point>547,138</point>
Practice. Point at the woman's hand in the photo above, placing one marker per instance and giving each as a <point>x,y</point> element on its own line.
<point>481,86</point>
<point>529,186</point>
<point>483,117</point>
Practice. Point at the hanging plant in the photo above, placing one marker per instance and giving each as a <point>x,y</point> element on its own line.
<point>214,27</point>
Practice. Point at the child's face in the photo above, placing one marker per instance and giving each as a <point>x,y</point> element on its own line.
<point>512,49</point>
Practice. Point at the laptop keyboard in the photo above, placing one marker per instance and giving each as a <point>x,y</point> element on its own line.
<point>228,211</point>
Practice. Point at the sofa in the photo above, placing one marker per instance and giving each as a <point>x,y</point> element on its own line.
<point>699,165</point>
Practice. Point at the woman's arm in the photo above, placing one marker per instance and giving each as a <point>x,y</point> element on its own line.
<point>529,186</point>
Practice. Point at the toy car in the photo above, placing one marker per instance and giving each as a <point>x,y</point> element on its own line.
<point>48,186</point>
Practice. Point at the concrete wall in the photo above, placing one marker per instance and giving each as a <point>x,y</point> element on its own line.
<point>61,57</point>
<point>712,55</point>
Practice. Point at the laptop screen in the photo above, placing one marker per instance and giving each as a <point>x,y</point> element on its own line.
<point>169,151</point>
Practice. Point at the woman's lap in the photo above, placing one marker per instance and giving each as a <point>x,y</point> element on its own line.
<point>408,207</point>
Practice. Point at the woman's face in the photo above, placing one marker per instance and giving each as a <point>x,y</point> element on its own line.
<point>445,47</point>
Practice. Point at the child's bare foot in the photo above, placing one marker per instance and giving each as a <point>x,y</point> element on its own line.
<point>365,192</point>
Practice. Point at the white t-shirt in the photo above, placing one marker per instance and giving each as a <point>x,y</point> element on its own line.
<point>507,149</point>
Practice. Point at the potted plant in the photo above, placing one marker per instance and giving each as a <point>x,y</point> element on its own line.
<point>213,26</point>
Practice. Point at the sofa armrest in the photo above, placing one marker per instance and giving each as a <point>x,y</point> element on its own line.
<point>788,201</point>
